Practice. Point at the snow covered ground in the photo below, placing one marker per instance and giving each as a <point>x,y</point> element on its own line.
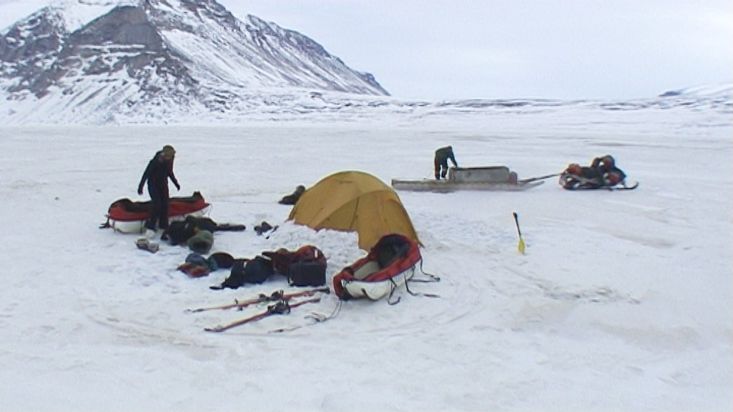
<point>623,301</point>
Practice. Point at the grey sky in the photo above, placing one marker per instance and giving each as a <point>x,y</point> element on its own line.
<point>443,49</point>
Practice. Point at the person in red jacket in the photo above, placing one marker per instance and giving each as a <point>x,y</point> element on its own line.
<point>159,170</point>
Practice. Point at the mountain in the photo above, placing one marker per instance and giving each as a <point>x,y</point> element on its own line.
<point>102,61</point>
<point>174,61</point>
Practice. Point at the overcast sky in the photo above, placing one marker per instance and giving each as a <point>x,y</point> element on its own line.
<point>446,49</point>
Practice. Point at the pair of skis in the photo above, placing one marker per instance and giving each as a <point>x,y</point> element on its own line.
<point>281,305</point>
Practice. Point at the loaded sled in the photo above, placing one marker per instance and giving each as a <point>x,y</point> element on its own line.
<point>471,178</point>
<point>127,216</point>
<point>390,263</point>
<point>570,181</point>
<point>601,174</point>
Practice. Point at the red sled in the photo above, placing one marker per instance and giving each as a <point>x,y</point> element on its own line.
<point>127,216</point>
<point>390,264</point>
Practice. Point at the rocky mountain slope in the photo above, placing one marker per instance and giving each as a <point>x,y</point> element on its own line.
<point>158,58</point>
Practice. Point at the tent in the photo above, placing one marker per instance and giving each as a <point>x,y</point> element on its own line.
<point>354,201</point>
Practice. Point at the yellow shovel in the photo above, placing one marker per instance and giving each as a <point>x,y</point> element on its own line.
<point>520,246</point>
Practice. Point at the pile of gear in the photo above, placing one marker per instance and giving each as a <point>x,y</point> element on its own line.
<point>305,266</point>
<point>601,174</point>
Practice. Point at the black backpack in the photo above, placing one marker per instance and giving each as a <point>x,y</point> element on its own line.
<point>307,273</point>
<point>303,267</point>
<point>179,232</point>
<point>245,271</point>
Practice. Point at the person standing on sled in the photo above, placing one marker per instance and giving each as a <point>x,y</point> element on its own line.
<point>441,161</point>
<point>159,170</point>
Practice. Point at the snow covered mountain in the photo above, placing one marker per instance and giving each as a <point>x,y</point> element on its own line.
<point>175,61</point>
<point>82,60</point>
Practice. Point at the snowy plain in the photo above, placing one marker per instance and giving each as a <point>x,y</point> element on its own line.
<point>622,302</point>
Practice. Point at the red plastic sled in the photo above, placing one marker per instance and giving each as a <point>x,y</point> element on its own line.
<point>127,216</point>
<point>389,264</point>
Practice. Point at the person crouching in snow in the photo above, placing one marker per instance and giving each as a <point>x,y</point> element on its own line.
<point>441,161</point>
<point>159,170</point>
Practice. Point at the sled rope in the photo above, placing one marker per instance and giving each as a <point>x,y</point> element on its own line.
<point>394,286</point>
<point>533,179</point>
<point>433,278</point>
<point>317,318</point>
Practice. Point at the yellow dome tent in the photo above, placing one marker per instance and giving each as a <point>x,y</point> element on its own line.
<point>354,201</point>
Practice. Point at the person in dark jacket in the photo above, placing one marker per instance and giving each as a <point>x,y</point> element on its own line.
<point>159,170</point>
<point>441,161</point>
<point>292,198</point>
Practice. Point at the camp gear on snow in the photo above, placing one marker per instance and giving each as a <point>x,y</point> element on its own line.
<point>579,183</point>
<point>314,317</point>
<point>520,246</point>
<point>209,224</point>
<point>387,266</point>
<point>280,307</point>
<point>127,216</point>
<point>147,245</point>
<point>601,174</point>
<point>201,242</point>
<point>198,266</point>
<point>194,270</point>
<point>489,174</point>
<point>262,228</point>
<point>273,297</point>
<point>245,271</point>
<point>303,267</point>
<point>197,259</point>
<point>222,260</point>
<point>230,227</point>
<point>471,178</point>
<point>354,201</point>
<point>446,186</point>
<point>179,232</point>
<point>307,274</point>
<point>292,198</point>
